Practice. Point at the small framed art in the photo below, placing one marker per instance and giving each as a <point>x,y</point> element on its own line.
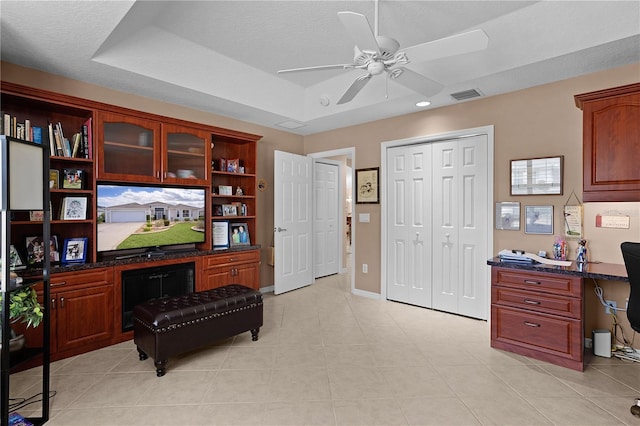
<point>35,250</point>
<point>72,178</point>
<point>15,260</point>
<point>538,220</point>
<point>233,165</point>
<point>508,216</point>
<point>367,186</point>
<point>74,208</point>
<point>225,190</point>
<point>229,210</point>
<point>239,234</point>
<point>54,179</point>
<point>220,231</point>
<point>75,250</point>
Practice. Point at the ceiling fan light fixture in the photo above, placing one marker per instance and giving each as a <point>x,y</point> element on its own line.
<point>422,104</point>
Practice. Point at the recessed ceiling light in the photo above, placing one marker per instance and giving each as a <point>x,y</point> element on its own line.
<point>423,103</point>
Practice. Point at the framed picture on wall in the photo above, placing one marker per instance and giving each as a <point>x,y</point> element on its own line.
<point>508,216</point>
<point>367,186</point>
<point>538,220</point>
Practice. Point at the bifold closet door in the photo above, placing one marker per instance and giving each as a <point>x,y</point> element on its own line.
<point>460,226</point>
<point>409,224</point>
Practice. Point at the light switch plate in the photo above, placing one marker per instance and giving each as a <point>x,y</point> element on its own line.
<point>364,218</point>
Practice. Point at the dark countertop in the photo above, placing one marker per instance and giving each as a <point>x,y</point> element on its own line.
<point>596,270</point>
<point>141,258</point>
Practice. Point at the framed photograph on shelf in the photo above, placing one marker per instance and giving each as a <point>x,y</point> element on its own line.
<point>239,234</point>
<point>538,220</point>
<point>367,186</point>
<point>15,260</point>
<point>36,215</point>
<point>225,190</point>
<point>75,250</point>
<point>229,210</point>
<point>233,165</point>
<point>72,178</point>
<point>220,231</point>
<point>74,208</point>
<point>508,216</point>
<point>35,250</point>
<point>54,179</point>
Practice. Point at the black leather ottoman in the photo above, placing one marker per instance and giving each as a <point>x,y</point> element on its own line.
<point>170,326</point>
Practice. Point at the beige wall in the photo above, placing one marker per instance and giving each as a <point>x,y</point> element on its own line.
<point>272,139</point>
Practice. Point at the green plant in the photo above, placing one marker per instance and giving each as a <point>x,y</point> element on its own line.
<point>24,305</point>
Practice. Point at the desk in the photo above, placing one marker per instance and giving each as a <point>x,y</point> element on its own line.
<point>538,310</point>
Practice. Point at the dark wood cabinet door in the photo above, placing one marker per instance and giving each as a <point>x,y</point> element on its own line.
<point>611,144</point>
<point>84,316</point>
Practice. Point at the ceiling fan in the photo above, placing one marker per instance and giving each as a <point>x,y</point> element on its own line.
<point>376,54</point>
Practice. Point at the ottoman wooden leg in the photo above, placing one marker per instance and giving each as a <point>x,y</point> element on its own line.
<point>161,367</point>
<point>141,355</point>
<point>254,334</point>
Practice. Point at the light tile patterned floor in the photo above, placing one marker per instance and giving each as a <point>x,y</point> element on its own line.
<point>326,357</point>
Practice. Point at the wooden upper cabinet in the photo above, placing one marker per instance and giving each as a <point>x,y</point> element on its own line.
<point>127,148</point>
<point>186,155</point>
<point>611,144</point>
<point>137,149</point>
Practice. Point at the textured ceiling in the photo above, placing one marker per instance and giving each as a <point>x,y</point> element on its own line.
<point>223,56</point>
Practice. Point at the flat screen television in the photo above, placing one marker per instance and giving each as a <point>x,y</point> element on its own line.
<point>136,219</point>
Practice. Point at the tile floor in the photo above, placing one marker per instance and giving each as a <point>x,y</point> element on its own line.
<point>326,357</point>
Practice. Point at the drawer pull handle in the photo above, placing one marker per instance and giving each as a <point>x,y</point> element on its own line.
<point>58,284</point>
<point>531,302</point>
<point>532,282</point>
<point>531,324</point>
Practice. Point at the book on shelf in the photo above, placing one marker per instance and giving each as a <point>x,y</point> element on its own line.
<point>87,138</point>
<point>6,124</point>
<point>77,138</point>
<point>36,134</point>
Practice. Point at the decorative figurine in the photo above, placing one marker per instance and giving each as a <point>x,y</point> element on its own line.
<point>239,191</point>
<point>581,255</point>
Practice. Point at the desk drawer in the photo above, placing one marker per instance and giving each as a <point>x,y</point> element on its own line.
<point>539,302</point>
<point>541,332</point>
<point>231,258</point>
<point>559,284</point>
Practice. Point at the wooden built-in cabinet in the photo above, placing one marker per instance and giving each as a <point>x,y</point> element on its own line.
<point>41,108</point>
<point>611,144</point>
<point>241,267</point>
<point>130,146</point>
<point>81,307</point>
<point>135,148</point>
<point>539,315</point>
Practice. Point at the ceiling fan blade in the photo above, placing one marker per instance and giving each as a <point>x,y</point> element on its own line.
<point>359,29</point>
<point>416,82</point>
<point>355,88</point>
<point>448,46</point>
<point>320,67</point>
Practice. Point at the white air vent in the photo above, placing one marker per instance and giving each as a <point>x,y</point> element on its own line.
<point>466,94</point>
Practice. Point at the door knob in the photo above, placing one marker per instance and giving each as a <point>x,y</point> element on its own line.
<point>278,229</point>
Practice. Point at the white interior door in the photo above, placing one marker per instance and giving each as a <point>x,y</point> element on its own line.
<point>293,223</point>
<point>409,224</point>
<point>326,217</point>
<point>459,226</point>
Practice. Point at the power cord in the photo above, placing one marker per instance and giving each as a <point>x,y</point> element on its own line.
<point>16,404</point>
<point>627,351</point>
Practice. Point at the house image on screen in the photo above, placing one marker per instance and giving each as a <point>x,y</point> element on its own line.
<point>135,212</point>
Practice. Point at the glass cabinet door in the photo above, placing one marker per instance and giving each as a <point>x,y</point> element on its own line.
<point>186,155</point>
<point>128,148</point>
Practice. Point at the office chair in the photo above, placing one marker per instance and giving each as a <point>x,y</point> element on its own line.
<point>631,256</point>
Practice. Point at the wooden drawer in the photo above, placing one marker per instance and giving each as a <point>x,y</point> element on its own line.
<point>542,333</point>
<point>565,285</point>
<point>229,258</point>
<point>89,277</point>
<point>539,302</point>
